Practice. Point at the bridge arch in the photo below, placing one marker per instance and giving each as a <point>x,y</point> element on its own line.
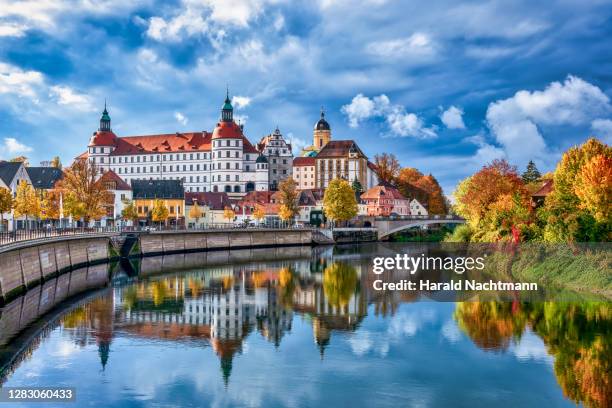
<point>388,227</point>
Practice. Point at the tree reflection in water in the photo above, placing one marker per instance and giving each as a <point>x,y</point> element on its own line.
<point>578,335</point>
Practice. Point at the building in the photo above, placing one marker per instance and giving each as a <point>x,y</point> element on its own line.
<point>538,198</point>
<point>212,205</point>
<point>384,200</point>
<point>310,204</point>
<point>304,172</point>
<point>416,208</point>
<point>121,194</point>
<point>11,174</point>
<point>44,178</point>
<point>279,155</point>
<point>170,192</point>
<point>341,159</point>
<point>219,161</point>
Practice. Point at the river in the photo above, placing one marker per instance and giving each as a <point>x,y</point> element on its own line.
<point>296,327</point>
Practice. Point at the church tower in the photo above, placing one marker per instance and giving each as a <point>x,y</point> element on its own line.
<point>322,133</point>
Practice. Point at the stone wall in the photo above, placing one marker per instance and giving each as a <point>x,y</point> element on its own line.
<point>195,241</point>
<point>25,265</point>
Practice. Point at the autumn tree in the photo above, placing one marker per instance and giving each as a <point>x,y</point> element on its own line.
<point>6,203</point>
<point>594,187</point>
<point>408,175</point>
<point>435,197</point>
<point>81,184</point>
<point>339,201</point>
<point>339,283</point>
<point>531,174</point>
<point>50,205</point>
<point>387,167</point>
<point>56,162</point>
<point>259,213</point>
<point>288,199</point>
<point>27,203</point>
<point>159,212</point>
<point>196,212</point>
<point>229,214</point>
<point>21,159</point>
<point>129,212</point>
<point>565,216</point>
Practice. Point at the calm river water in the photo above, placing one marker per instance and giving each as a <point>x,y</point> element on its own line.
<point>296,327</point>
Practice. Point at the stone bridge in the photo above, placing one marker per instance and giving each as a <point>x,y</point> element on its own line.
<point>390,225</point>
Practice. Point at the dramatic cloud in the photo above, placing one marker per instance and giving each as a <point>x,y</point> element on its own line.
<point>602,128</point>
<point>11,147</point>
<point>400,122</point>
<point>180,118</point>
<point>240,102</point>
<point>417,45</point>
<point>65,95</point>
<point>514,121</point>
<point>12,30</point>
<point>14,80</point>
<point>453,118</point>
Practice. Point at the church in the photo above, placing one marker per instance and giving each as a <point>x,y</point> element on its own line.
<point>219,161</point>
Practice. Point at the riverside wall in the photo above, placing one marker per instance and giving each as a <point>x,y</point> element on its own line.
<point>25,265</point>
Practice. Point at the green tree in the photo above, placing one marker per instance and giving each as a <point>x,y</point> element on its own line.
<point>6,203</point>
<point>339,202</point>
<point>531,174</point>
<point>357,187</point>
<point>160,212</point>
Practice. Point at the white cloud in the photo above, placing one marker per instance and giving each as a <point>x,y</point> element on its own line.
<point>240,102</point>
<point>602,128</point>
<point>453,118</point>
<point>279,22</point>
<point>417,45</point>
<point>180,118</point>
<point>12,147</point>
<point>12,30</point>
<point>400,122</point>
<point>514,121</point>
<point>297,144</point>
<point>64,95</point>
<point>14,80</point>
<point>186,24</point>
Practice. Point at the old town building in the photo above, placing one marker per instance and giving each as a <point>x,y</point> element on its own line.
<point>169,192</point>
<point>304,172</point>
<point>385,200</point>
<point>279,155</point>
<point>220,161</point>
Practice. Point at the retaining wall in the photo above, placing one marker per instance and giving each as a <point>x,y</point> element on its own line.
<point>25,265</point>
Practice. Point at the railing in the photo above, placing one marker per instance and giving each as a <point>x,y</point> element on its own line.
<point>418,217</point>
<point>9,237</point>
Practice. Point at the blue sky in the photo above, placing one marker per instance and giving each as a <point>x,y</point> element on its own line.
<point>446,86</point>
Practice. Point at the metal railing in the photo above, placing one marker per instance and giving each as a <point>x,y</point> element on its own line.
<point>19,235</point>
<point>418,217</point>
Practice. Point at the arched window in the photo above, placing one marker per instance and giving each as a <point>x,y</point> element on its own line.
<point>250,186</point>
<point>236,189</point>
<point>215,189</point>
<point>228,189</point>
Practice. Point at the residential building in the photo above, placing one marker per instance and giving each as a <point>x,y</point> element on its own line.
<point>538,198</point>
<point>212,205</point>
<point>121,194</point>
<point>219,161</point>
<point>385,200</point>
<point>304,172</point>
<point>417,208</point>
<point>44,178</point>
<point>170,192</point>
<point>11,174</point>
<point>279,155</point>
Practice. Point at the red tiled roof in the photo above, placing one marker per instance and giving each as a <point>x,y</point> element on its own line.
<point>338,148</point>
<point>382,190</point>
<point>163,143</point>
<point>111,176</point>
<point>256,197</point>
<point>303,161</point>
<point>215,201</point>
<point>227,130</point>
<point>546,189</point>
<point>103,138</point>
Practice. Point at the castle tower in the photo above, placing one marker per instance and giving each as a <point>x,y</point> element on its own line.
<point>261,176</point>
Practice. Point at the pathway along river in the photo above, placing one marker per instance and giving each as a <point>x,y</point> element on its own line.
<point>295,327</point>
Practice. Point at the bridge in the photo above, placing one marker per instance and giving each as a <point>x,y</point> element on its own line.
<point>390,225</point>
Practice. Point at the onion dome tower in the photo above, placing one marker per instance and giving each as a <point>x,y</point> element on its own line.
<point>322,132</point>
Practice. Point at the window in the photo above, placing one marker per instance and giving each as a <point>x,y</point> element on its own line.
<point>227,177</point>
<point>236,154</point>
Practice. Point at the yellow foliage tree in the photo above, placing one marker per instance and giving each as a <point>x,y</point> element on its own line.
<point>229,214</point>
<point>27,203</point>
<point>339,201</point>
<point>129,212</point>
<point>259,213</point>
<point>81,184</point>
<point>73,206</point>
<point>196,212</point>
<point>288,198</point>
<point>594,187</point>
<point>339,283</point>
<point>50,205</point>
<point>6,203</point>
<point>160,212</point>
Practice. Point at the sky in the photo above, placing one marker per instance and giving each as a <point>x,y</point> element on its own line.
<point>446,86</point>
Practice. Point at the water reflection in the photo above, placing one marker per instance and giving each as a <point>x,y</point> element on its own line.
<point>173,304</point>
